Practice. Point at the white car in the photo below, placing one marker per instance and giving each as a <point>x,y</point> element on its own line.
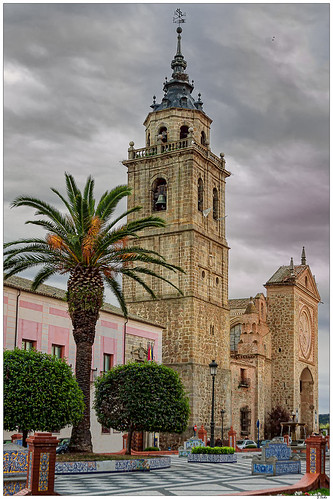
<point>243,444</point>
<point>280,440</point>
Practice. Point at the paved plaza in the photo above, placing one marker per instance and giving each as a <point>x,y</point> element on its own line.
<point>182,479</point>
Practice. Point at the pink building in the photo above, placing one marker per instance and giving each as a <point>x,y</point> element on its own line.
<point>40,320</point>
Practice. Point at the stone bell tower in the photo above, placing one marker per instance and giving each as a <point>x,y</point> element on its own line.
<point>177,177</point>
<point>293,298</point>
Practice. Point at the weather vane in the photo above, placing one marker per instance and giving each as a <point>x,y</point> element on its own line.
<point>179,17</point>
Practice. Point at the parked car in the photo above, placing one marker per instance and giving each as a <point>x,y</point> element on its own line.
<point>63,447</point>
<point>243,444</point>
<point>280,440</point>
<point>264,442</point>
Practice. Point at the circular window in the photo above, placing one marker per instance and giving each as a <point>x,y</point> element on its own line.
<point>203,274</point>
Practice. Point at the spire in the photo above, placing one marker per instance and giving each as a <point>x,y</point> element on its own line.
<point>303,258</point>
<point>177,91</point>
<point>291,267</point>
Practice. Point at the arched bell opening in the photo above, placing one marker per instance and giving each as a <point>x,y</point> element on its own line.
<point>159,195</point>
<point>203,138</point>
<point>183,132</point>
<point>307,400</point>
<point>164,132</point>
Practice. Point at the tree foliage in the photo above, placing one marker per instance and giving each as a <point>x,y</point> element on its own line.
<point>277,415</point>
<point>40,392</point>
<point>142,396</point>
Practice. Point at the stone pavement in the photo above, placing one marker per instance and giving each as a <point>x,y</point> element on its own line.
<point>182,479</point>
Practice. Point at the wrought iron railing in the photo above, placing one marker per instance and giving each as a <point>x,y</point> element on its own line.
<point>244,382</point>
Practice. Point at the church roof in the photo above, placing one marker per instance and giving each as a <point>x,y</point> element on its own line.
<point>285,273</point>
<point>178,90</point>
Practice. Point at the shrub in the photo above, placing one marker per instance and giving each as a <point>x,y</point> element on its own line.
<point>213,450</point>
<point>151,448</point>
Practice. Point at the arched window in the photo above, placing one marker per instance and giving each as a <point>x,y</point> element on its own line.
<point>235,333</point>
<point>164,132</point>
<point>200,194</point>
<point>148,140</point>
<point>215,204</point>
<point>183,132</point>
<point>203,138</point>
<point>159,195</point>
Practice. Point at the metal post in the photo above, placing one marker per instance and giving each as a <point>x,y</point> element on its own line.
<point>212,424</point>
<point>222,416</point>
<point>258,425</point>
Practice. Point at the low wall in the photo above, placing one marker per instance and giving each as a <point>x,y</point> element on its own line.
<point>15,467</point>
<point>212,458</point>
<point>114,466</point>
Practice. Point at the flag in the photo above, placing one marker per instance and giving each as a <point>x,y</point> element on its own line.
<point>149,352</point>
<point>152,352</point>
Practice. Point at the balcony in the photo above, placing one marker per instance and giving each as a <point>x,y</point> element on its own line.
<point>244,383</point>
<point>170,147</point>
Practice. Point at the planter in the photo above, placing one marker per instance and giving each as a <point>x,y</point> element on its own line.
<point>212,458</point>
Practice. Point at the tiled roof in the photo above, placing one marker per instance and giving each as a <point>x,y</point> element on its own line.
<point>238,303</point>
<point>51,291</point>
<point>283,274</point>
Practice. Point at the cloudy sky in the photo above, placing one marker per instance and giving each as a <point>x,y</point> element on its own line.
<point>79,80</point>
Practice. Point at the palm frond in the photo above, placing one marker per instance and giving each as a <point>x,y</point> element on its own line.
<point>138,279</point>
<point>116,289</point>
<point>123,215</point>
<point>147,271</point>
<point>107,205</point>
<point>66,203</point>
<point>42,208</point>
<point>32,240</point>
<point>42,276</point>
<point>72,189</point>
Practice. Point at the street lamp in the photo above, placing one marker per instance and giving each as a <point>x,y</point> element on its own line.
<point>222,415</point>
<point>213,368</point>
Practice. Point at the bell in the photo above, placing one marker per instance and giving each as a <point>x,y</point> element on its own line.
<point>161,201</point>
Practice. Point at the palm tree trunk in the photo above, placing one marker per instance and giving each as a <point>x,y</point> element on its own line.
<point>85,298</point>
<point>81,435</point>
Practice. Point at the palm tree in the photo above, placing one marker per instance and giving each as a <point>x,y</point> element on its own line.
<point>93,250</point>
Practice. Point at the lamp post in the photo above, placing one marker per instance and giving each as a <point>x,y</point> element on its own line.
<point>213,368</point>
<point>222,415</point>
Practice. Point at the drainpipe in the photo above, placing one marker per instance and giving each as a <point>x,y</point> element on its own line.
<point>16,317</point>
<point>124,343</point>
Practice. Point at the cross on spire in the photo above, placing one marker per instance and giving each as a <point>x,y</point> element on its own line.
<point>179,17</point>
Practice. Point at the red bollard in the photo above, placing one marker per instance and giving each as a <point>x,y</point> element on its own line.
<point>202,434</point>
<point>286,439</point>
<point>232,438</point>
<point>41,464</point>
<point>315,458</point>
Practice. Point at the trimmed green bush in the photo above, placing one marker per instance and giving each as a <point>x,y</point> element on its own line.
<point>213,450</point>
<point>151,448</point>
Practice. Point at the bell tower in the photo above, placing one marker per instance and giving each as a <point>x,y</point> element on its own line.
<point>177,177</point>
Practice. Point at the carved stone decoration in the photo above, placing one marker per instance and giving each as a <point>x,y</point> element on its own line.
<point>305,336</point>
<point>139,354</point>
